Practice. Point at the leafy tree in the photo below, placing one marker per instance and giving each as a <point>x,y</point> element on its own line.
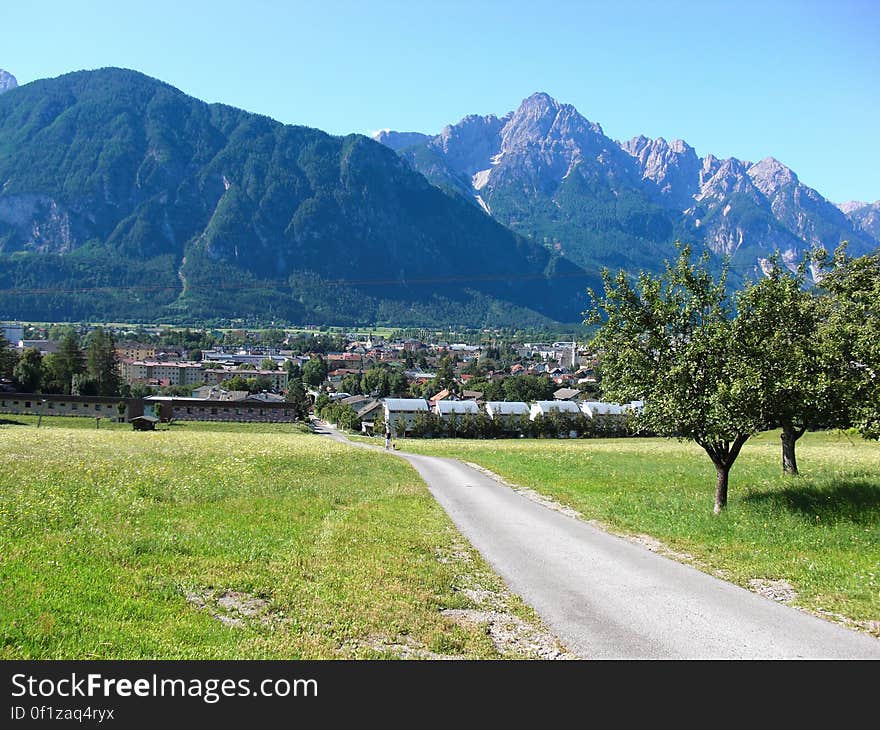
<point>297,397</point>
<point>84,384</point>
<point>141,390</point>
<point>485,426</point>
<point>381,382</point>
<point>52,381</point>
<point>852,330</point>
<point>251,385</point>
<point>268,364</point>
<point>259,384</point>
<point>527,388</point>
<point>8,358</point>
<point>668,340</point>
<point>294,371</point>
<point>272,337</point>
<point>320,402</point>
<point>236,382</point>
<point>102,363</point>
<point>342,415</point>
<point>351,383</point>
<point>425,424</point>
<point>469,426</point>
<point>314,372</point>
<point>397,383</point>
<point>379,422</point>
<point>28,371</point>
<point>474,367</point>
<point>777,324</point>
<point>176,391</point>
<point>491,389</point>
<point>69,361</point>
<point>445,374</point>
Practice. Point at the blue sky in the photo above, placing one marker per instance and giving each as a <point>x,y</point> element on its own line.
<point>795,79</point>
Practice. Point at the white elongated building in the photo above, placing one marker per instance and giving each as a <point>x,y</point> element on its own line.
<point>594,408</point>
<point>507,413</point>
<point>455,408</point>
<point>400,413</point>
<point>546,407</point>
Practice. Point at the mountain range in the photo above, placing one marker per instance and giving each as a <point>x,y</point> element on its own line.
<point>550,174</point>
<point>122,198</point>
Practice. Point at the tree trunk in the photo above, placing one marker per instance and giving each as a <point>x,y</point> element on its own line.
<point>721,488</point>
<point>789,437</point>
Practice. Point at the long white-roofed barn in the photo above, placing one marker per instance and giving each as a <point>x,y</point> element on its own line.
<point>594,408</point>
<point>508,414</point>
<point>455,408</point>
<point>400,413</point>
<point>546,407</point>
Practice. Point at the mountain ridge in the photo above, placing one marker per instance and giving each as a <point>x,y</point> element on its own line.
<point>554,176</point>
<point>112,180</point>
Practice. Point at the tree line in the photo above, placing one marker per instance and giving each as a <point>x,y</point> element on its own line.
<point>481,426</point>
<point>89,367</point>
<point>716,368</point>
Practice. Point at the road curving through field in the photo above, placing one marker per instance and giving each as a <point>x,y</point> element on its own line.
<point>608,598</point>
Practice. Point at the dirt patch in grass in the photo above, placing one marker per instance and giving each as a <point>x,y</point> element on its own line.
<point>401,647</point>
<point>486,606</point>
<point>776,590</point>
<point>452,554</point>
<point>233,608</point>
<point>510,634</point>
<point>514,636</point>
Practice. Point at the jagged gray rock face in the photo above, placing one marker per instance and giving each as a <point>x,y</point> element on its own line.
<point>549,173</point>
<point>468,146</point>
<point>674,168</point>
<point>865,216</point>
<point>7,81</point>
<point>399,140</point>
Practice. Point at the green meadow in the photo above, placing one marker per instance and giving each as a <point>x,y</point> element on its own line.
<point>205,541</point>
<point>819,532</point>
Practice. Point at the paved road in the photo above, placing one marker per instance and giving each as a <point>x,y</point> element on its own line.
<point>606,597</point>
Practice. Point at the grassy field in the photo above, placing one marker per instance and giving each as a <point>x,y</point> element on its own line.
<point>819,532</point>
<point>227,541</point>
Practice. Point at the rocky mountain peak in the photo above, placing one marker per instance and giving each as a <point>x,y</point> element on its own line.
<point>680,147</point>
<point>469,145</point>
<point>865,216</point>
<point>7,81</point>
<point>723,177</point>
<point>558,131</point>
<point>674,168</point>
<point>770,175</point>
<point>399,140</point>
<point>851,206</point>
<point>538,103</point>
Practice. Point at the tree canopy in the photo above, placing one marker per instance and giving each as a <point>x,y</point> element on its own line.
<point>668,340</point>
<point>852,329</point>
<point>778,325</point>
